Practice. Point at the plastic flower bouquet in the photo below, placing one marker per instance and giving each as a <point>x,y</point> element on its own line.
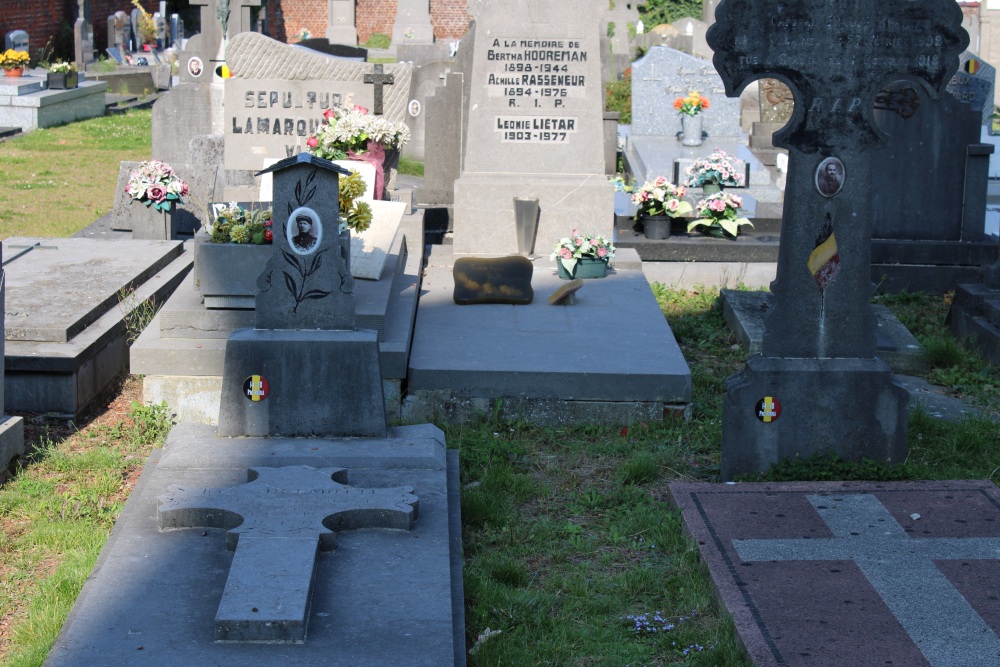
<point>155,184</point>
<point>579,246</point>
<point>719,168</point>
<point>349,133</point>
<point>62,68</point>
<point>11,59</point>
<point>719,215</point>
<point>661,197</point>
<point>235,224</point>
<point>691,105</point>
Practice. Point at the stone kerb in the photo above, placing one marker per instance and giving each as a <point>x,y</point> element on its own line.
<point>535,125</point>
<point>665,74</point>
<point>278,92</point>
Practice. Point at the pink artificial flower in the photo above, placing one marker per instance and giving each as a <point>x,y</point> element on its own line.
<point>312,142</point>
<point>156,193</point>
<point>578,240</point>
<point>717,205</point>
<point>329,113</point>
<point>660,181</point>
<point>602,252</point>
<point>672,205</point>
<point>358,107</point>
<point>565,253</point>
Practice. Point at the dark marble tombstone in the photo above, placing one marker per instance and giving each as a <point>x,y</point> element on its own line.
<point>493,280</point>
<point>817,386</point>
<point>17,40</point>
<point>317,374</point>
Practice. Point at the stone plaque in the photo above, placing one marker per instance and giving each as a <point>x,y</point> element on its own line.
<point>276,97</point>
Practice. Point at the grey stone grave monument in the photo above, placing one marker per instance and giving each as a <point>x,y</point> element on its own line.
<point>443,143</point>
<point>11,428</point>
<point>413,23</point>
<point>340,28</point>
<point>322,372</point>
<point>176,31</point>
<point>818,386</point>
<point>618,37</point>
<point>535,125</point>
<point>83,40</point>
<point>17,40</point>
<point>930,238</point>
<point>116,33</point>
<point>278,93</point>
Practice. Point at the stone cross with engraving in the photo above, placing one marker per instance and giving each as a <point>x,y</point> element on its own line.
<point>277,523</point>
<point>379,78</point>
<point>818,387</point>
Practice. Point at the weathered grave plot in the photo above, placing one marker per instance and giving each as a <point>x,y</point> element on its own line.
<point>654,149</point>
<point>26,104</point>
<point>67,308</point>
<point>853,573</point>
<point>11,428</point>
<point>467,358</point>
<point>818,357</point>
<point>382,596</point>
<point>975,313</point>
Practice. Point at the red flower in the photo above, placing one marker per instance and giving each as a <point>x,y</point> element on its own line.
<point>329,113</point>
<point>312,142</point>
<point>268,235</point>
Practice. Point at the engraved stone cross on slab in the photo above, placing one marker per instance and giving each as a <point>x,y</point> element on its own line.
<point>818,362</point>
<point>276,524</point>
<point>379,78</point>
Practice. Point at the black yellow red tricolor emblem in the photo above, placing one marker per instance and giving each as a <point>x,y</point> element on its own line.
<point>824,260</point>
<point>768,409</point>
<point>256,388</point>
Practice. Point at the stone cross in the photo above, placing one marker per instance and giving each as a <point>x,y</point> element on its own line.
<point>902,570</point>
<point>379,78</point>
<point>819,345</point>
<point>277,523</point>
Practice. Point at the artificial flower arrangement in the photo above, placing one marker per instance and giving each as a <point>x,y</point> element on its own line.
<point>155,184</point>
<point>691,105</point>
<point>719,168</point>
<point>718,214</point>
<point>62,68</point>
<point>355,213</point>
<point>347,133</point>
<point>235,224</point>
<point>11,59</point>
<point>353,134</point>
<point>582,246</point>
<point>661,197</point>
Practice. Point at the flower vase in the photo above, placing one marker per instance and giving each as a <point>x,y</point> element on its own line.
<point>585,267</point>
<point>14,73</point>
<point>656,227</point>
<point>390,169</point>
<point>155,225</point>
<point>62,80</point>
<point>525,224</point>
<point>711,189</point>
<point>691,129</point>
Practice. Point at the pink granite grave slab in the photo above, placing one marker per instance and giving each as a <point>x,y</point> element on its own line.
<point>854,573</point>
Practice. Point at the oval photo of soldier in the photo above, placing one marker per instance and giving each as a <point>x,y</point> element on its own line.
<point>304,231</point>
<point>830,176</point>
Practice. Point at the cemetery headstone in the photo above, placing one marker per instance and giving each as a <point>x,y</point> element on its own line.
<point>83,39</point>
<point>665,74</point>
<point>277,95</point>
<point>690,38</point>
<point>17,40</point>
<point>304,370</point>
<point>287,516</point>
<point>161,31</point>
<point>136,33</point>
<point>618,37</point>
<point>443,154</point>
<point>535,125</point>
<point>340,26</point>
<point>977,68</point>
<point>427,79</point>
<point>116,32</point>
<point>176,31</point>
<point>818,361</point>
<point>413,23</point>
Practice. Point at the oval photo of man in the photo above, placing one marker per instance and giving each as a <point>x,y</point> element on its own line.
<point>304,231</point>
<point>830,176</point>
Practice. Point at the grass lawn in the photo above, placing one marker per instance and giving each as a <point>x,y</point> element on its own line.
<point>573,556</point>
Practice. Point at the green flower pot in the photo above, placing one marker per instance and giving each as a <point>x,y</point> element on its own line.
<point>586,267</point>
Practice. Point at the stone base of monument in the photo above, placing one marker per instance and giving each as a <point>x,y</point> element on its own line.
<point>70,305</point>
<point>24,103</point>
<point>484,212</point>
<point>11,439</point>
<point>929,266</point>
<point>773,401</point>
<point>181,354</point>
<point>380,596</point>
<point>337,370</point>
<point>975,315</point>
<point>853,573</point>
<point>745,313</point>
<point>547,364</point>
<point>756,245</point>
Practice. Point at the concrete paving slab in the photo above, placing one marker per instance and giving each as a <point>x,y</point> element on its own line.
<point>381,597</point>
<point>854,573</point>
<point>541,352</point>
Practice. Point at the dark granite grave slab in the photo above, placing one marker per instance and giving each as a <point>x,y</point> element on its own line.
<point>854,573</point>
